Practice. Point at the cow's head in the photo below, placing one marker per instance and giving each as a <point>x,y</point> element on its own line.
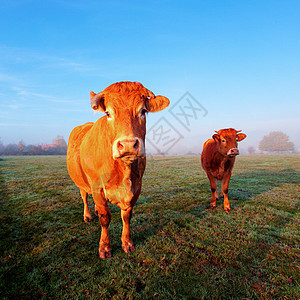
<point>227,140</point>
<point>126,105</point>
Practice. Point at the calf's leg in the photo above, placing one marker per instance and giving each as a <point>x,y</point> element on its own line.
<point>127,243</point>
<point>225,186</point>
<point>104,215</point>
<point>214,192</point>
<point>87,217</point>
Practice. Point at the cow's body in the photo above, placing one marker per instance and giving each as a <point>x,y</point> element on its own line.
<point>107,158</point>
<point>217,159</point>
<point>119,182</point>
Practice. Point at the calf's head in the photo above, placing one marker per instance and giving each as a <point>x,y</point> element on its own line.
<point>126,105</point>
<point>227,140</point>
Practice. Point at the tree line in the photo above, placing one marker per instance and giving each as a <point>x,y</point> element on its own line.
<point>58,147</point>
<point>275,141</point>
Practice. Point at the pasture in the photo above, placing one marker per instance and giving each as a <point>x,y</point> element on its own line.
<point>183,250</point>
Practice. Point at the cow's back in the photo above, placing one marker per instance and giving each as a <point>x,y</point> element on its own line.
<point>209,148</point>
<point>73,155</point>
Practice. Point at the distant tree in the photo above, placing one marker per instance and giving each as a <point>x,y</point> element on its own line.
<point>1,147</point>
<point>60,142</point>
<point>59,145</point>
<point>11,149</point>
<point>29,149</point>
<point>251,150</point>
<point>21,147</point>
<point>190,153</point>
<point>276,141</point>
<point>33,150</point>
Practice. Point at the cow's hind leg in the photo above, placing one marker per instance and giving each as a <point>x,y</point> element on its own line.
<point>127,243</point>
<point>87,217</point>
<point>225,186</point>
<point>214,191</point>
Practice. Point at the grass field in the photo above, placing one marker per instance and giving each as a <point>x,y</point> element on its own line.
<point>183,250</point>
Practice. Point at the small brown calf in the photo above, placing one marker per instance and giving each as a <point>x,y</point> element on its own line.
<point>217,159</point>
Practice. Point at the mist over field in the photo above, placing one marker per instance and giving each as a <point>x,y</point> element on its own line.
<point>183,128</point>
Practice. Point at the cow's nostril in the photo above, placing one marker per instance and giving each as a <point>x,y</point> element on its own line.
<point>120,146</point>
<point>233,151</point>
<point>136,144</point>
<point>127,147</point>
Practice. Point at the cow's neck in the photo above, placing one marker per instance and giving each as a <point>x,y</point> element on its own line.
<point>221,161</point>
<point>123,184</point>
<point>220,158</point>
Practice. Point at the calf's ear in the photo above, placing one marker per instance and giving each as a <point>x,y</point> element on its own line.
<point>97,102</point>
<point>241,136</point>
<point>216,137</point>
<point>157,103</point>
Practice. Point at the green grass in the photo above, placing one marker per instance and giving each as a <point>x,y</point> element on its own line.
<point>183,250</point>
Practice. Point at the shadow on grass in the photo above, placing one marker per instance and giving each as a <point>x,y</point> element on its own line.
<point>262,231</point>
<point>194,198</point>
<point>245,186</point>
<point>253,183</point>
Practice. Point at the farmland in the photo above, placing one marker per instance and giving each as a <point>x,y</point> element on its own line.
<point>183,250</point>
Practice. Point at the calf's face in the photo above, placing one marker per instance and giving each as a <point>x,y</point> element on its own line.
<point>126,110</point>
<point>227,140</point>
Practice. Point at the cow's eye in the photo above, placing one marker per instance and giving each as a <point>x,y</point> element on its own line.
<point>223,141</point>
<point>237,139</point>
<point>107,113</point>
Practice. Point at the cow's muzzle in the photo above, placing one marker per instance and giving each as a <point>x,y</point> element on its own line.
<point>128,149</point>
<point>233,152</point>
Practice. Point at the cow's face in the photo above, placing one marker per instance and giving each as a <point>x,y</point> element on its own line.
<point>227,140</point>
<point>126,105</point>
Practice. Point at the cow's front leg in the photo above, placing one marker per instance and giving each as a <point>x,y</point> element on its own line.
<point>214,192</point>
<point>104,244</point>
<point>225,186</point>
<point>104,215</point>
<point>127,243</point>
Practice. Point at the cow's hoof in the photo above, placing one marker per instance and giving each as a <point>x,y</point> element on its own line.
<point>104,254</point>
<point>128,247</point>
<point>104,251</point>
<point>227,209</point>
<point>212,207</point>
<point>87,219</point>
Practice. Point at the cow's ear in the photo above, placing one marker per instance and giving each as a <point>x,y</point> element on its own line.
<point>241,136</point>
<point>157,103</point>
<point>97,102</point>
<point>216,137</point>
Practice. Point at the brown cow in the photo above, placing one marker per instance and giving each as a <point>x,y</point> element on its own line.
<point>107,158</point>
<point>217,160</point>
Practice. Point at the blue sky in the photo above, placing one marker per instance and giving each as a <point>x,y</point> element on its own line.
<point>239,59</point>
